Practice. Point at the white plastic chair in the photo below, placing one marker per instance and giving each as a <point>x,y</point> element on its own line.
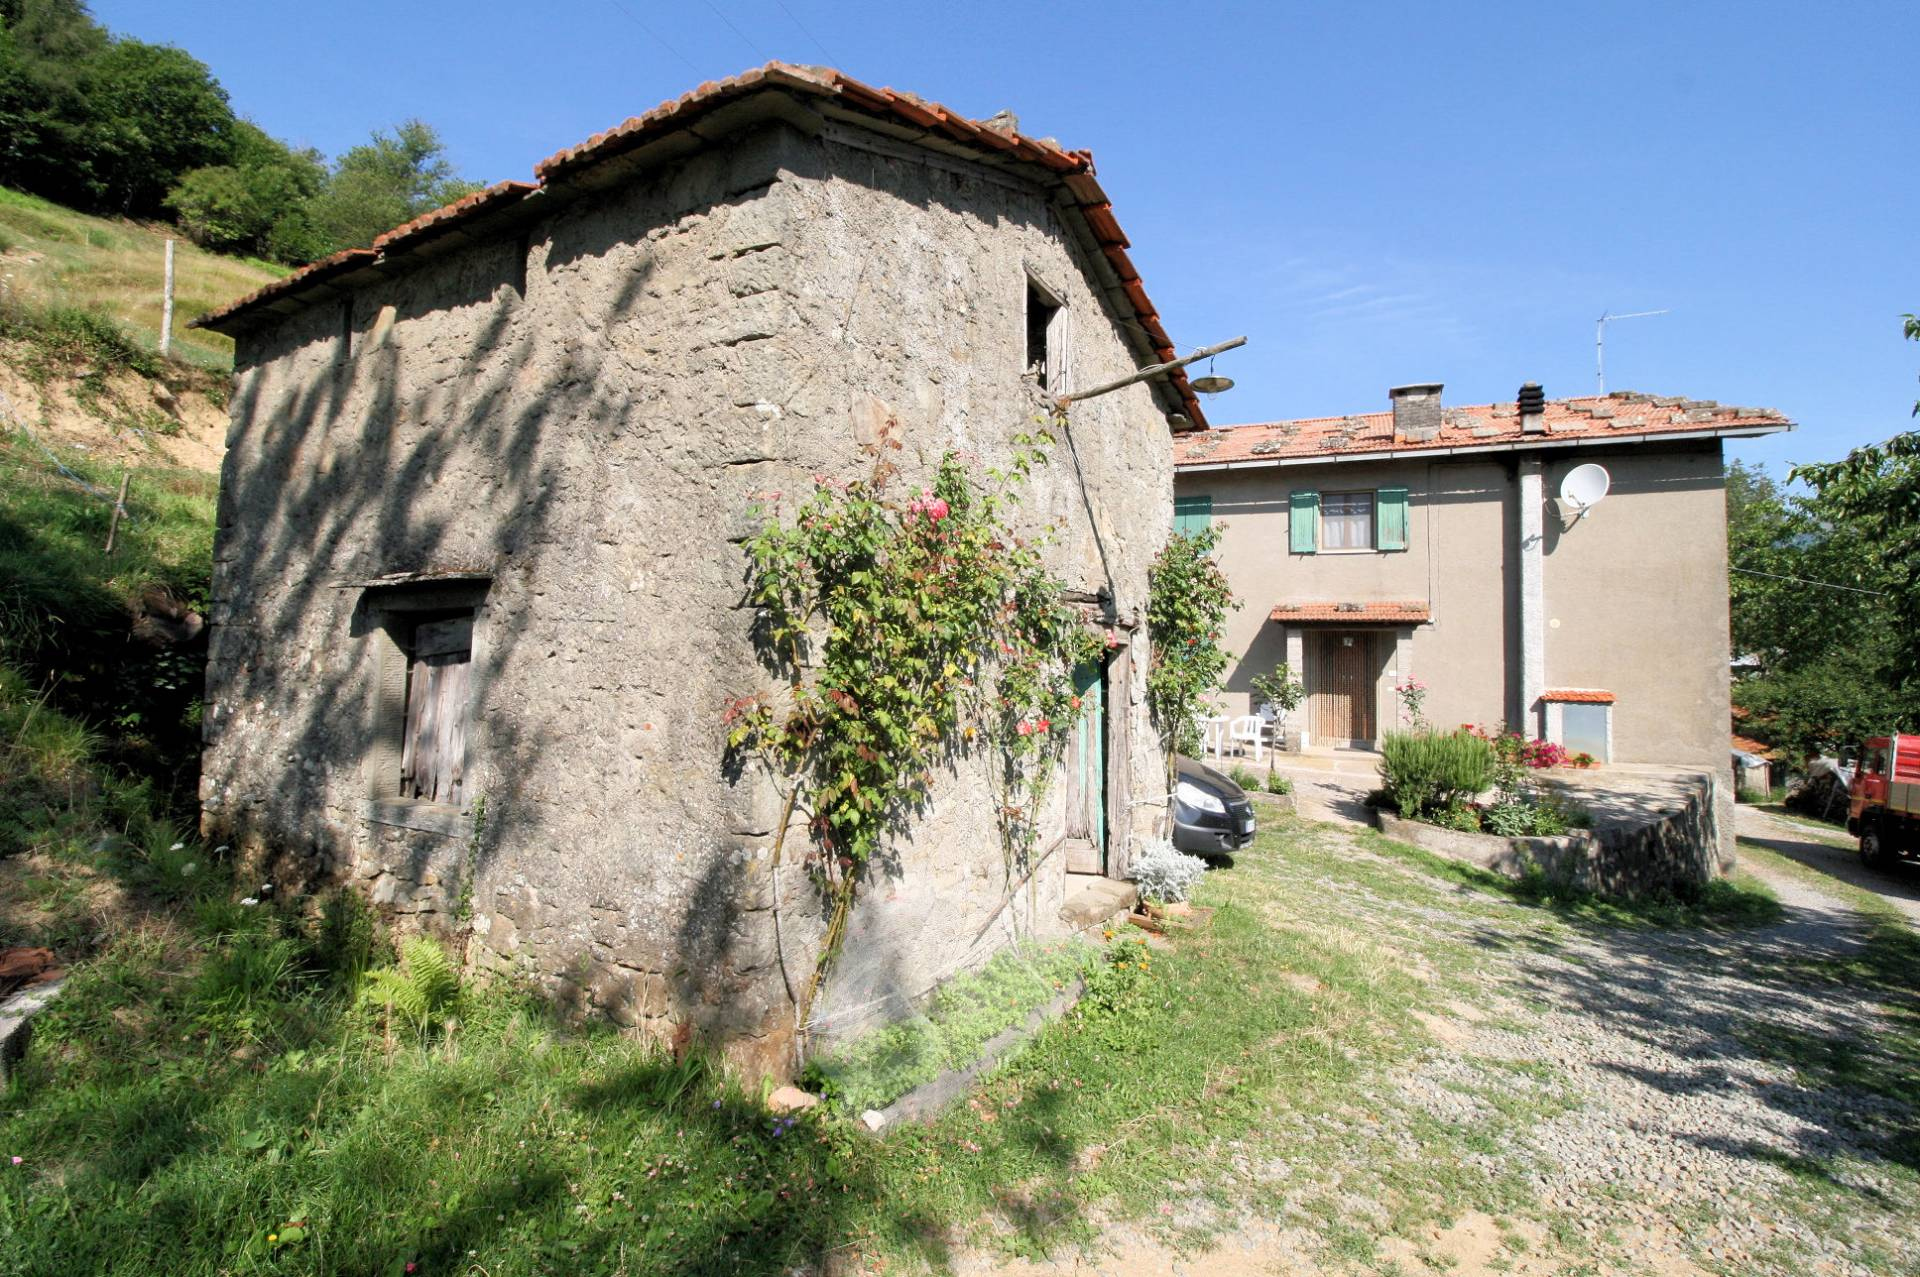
<point>1247,730</point>
<point>1213,736</point>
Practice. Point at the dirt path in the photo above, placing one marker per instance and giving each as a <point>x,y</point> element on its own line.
<point>1834,854</point>
<point>1653,1102</point>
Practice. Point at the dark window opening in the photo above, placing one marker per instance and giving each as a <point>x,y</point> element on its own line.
<point>1040,312</point>
<point>521,250</point>
<point>346,329</point>
<point>433,752</point>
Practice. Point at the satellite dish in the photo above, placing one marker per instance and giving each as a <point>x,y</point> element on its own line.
<point>1584,486</point>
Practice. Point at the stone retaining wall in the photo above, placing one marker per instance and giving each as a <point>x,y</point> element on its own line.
<point>1676,853</point>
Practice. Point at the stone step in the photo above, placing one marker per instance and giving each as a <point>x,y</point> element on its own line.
<point>1092,900</point>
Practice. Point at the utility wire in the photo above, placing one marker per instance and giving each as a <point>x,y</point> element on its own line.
<point>1801,580</point>
<point>656,37</point>
<point>795,18</point>
<point>720,13</point>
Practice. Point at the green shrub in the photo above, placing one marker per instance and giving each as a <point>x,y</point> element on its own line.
<point>1458,814</point>
<point>1427,771</point>
<point>1243,777</point>
<point>1278,784</point>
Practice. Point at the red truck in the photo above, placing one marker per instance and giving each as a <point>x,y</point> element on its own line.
<point>1883,802</point>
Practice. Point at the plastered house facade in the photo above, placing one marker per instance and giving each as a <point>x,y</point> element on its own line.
<point>1434,544</point>
<point>479,572</point>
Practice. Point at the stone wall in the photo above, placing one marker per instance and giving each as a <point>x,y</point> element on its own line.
<point>1676,854</point>
<point>584,419</point>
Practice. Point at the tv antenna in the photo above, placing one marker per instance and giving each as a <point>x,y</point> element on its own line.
<point>1600,341</point>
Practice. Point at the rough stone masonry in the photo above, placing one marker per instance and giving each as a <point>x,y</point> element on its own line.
<point>558,424</point>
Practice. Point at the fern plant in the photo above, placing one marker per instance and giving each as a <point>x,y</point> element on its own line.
<point>420,991</point>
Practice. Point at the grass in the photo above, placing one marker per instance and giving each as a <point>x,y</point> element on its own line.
<point>212,1096</point>
<point>63,261</point>
<point>66,605</point>
<point>879,1067</point>
<point>208,1081</point>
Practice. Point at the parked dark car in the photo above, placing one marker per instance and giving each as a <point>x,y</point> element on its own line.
<point>1211,814</point>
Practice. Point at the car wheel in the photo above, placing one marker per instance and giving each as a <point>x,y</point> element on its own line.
<point>1873,848</point>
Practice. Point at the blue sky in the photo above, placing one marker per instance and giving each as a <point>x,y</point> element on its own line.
<point>1373,193</point>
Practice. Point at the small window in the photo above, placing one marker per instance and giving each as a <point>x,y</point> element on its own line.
<point>1584,729</point>
<point>1042,312</point>
<point>1346,521</point>
<point>1875,762</point>
<point>433,752</point>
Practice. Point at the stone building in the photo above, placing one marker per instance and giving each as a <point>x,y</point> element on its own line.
<point>479,577</point>
<point>1436,544</point>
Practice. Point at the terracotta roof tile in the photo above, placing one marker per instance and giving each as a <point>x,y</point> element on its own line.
<point>1748,745</point>
<point>1578,696</point>
<point>1624,413</point>
<point>1075,169</point>
<point>1400,612</point>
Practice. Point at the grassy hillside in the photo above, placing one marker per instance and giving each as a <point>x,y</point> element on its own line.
<point>53,258</point>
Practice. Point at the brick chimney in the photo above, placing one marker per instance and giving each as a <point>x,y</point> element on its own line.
<point>1416,412</point>
<point>1533,409</point>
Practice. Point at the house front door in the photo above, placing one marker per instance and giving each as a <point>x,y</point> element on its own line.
<point>1342,692</point>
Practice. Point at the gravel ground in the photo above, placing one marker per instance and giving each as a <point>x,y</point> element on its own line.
<point>1694,1101</point>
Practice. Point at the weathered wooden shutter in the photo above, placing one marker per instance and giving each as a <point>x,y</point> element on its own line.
<point>1060,352</point>
<point>1390,519</point>
<point>435,753</point>
<point>1192,514</point>
<point>1303,522</point>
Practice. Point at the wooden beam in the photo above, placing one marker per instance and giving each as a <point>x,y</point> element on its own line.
<point>1205,352</point>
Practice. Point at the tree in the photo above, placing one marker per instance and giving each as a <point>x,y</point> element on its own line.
<point>1187,603</point>
<point>1832,625</point>
<point>256,204</point>
<point>391,179</point>
<point>99,122</point>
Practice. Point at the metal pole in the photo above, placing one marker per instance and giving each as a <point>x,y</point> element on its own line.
<point>166,306</point>
<point>1600,341</point>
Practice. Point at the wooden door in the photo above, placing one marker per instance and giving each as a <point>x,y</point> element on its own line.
<point>1343,688</point>
<point>1087,773</point>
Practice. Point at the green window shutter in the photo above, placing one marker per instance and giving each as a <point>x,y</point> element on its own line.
<point>1390,519</point>
<point>1192,514</point>
<point>1303,522</point>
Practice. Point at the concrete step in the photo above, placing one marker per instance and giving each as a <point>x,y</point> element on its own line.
<point>1343,763</point>
<point>1092,900</point>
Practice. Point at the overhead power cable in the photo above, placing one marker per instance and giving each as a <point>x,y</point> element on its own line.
<point>1801,580</point>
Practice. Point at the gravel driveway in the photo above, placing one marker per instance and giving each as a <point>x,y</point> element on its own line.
<point>1650,1101</point>
<point>1835,854</point>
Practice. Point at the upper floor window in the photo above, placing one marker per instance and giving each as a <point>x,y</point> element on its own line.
<point>1346,521</point>
<point>1375,520</point>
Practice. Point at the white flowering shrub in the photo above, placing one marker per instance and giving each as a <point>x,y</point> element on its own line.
<point>1164,874</point>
